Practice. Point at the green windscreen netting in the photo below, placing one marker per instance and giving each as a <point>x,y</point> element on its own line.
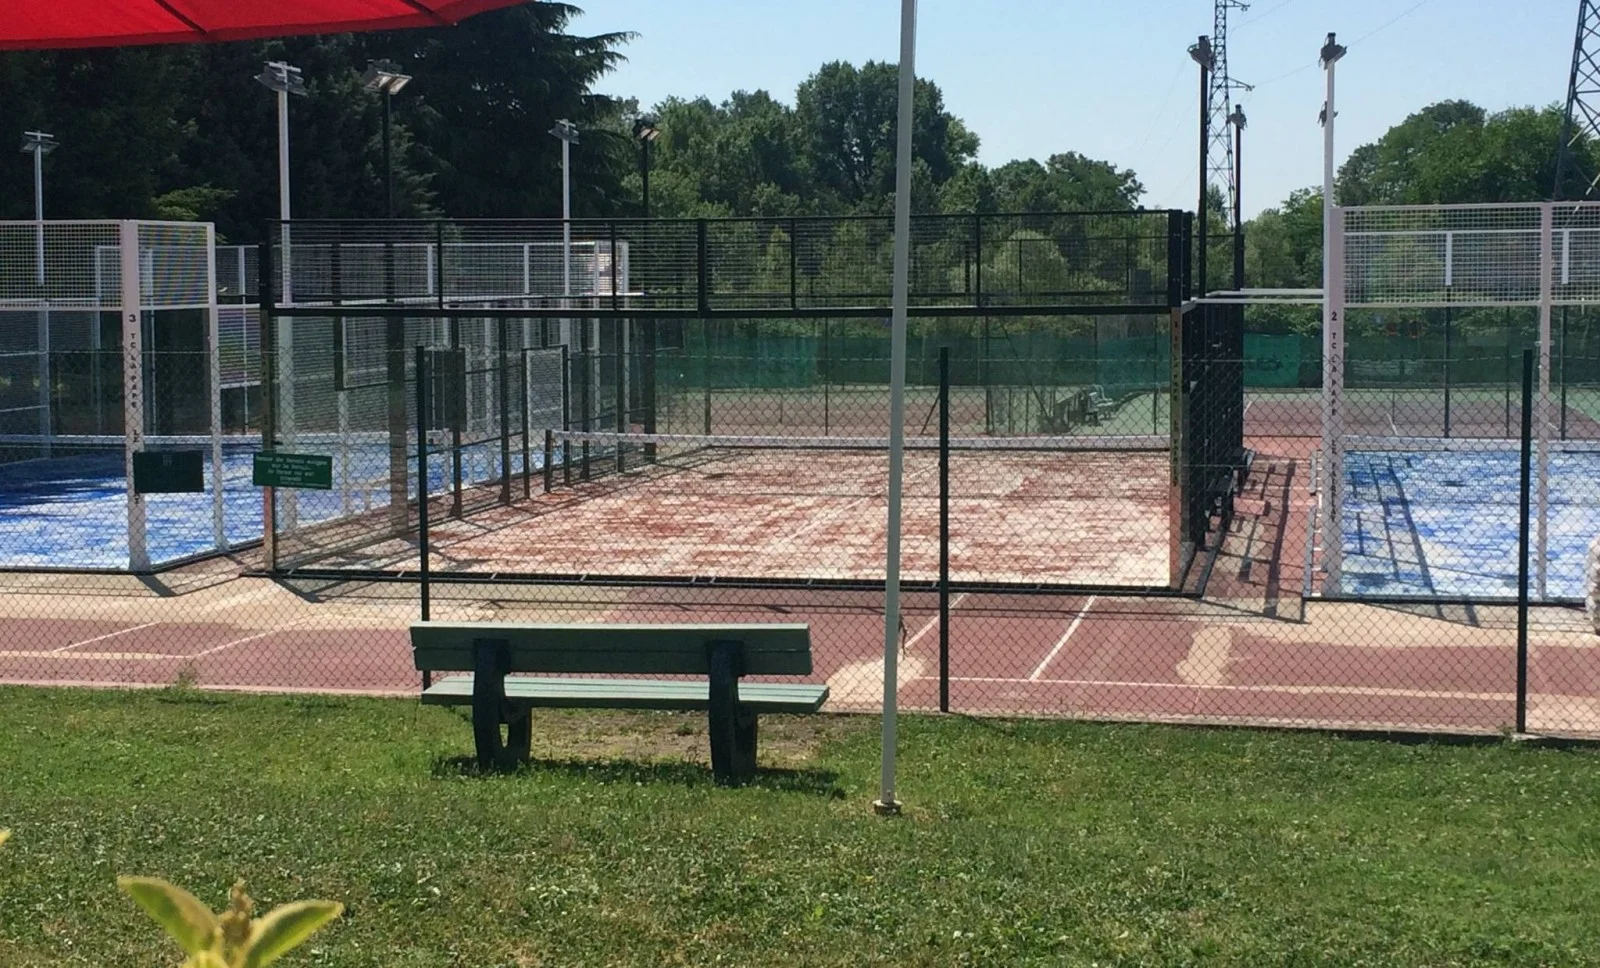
<point>1008,375</point>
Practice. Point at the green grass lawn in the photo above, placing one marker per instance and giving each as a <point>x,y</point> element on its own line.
<point>1041,843</point>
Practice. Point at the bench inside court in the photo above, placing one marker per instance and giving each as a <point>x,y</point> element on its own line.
<point>491,655</point>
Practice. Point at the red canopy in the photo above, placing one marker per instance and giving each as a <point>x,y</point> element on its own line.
<point>48,24</point>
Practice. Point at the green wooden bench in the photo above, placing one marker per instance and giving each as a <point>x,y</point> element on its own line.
<point>723,654</point>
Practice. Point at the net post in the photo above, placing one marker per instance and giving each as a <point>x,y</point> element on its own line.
<point>132,388</point>
<point>1546,275</point>
<point>421,369</point>
<point>1523,536</point>
<point>219,531</point>
<point>944,529</point>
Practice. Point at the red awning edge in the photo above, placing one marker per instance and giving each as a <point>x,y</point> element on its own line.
<point>53,24</point>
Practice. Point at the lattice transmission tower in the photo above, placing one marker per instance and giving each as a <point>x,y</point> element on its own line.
<point>1220,169</point>
<point>1574,178</point>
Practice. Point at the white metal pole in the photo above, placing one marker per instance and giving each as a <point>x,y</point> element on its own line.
<point>38,213</point>
<point>1546,312</point>
<point>44,310</point>
<point>886,802</point>
<point>219,533</point>
<point>285,326</point>
<point>132,389</point>
<point>566,218</point>
<point>1332,347</point>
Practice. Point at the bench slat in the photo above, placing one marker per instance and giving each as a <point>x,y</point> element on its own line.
<point>641,649</point>
<point>761,697</point>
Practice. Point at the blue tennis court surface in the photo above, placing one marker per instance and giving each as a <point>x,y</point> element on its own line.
<point>72,511</point>
<point>1444,522</point>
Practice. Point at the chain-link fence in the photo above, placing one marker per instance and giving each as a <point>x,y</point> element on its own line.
<point>689,427</point>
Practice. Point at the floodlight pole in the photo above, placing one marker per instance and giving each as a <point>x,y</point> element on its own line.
<point>1333,347</point>
<point>38,212</point>
<point>1237,119</point>
<point>38,144</point>
<point>566,218</point>
<point>1202,54</point>
<point>886,803</point>
<point>283,157</point>
<point>388,156</point>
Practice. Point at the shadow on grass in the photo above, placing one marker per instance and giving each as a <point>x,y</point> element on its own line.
<point>812,782</point>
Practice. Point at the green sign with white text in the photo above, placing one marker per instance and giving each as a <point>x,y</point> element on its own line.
<point>305,471</point>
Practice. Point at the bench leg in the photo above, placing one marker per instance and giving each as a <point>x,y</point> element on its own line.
<point>744,760</point>
<point>519,737</point>
<point>495,753</point>
<point>491,662</point>
<point>723,714</point>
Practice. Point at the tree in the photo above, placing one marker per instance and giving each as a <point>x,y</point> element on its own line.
<point>488,91</point>
<point>846,119</point>
<point>1066,182</point>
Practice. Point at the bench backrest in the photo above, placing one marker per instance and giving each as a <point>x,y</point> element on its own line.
<point>596,649</point>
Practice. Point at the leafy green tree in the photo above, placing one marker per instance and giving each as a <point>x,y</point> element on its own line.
<point>846,131</point>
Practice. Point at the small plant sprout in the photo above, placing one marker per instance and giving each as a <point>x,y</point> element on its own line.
<point>232,939</point>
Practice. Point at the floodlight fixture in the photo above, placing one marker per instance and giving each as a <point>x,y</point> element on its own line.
<point>646,129</point>
<point>39,141</point>
<point>384,77</point>
<point>566,131</point>
<point>283,78</point>
<point>1331,51</point>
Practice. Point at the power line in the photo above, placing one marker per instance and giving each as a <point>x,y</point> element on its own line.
<point>1263,14</point>
<point>1366,36</point>
<point>1390,23</point>
<point>1161,112</point>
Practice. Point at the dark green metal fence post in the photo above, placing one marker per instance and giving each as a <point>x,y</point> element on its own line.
<point>421,367</point>
<point>944,529</point>
<point>505,412</point>
<point>1523,538</point>
<point>455,410</point>
<point>527,445</point>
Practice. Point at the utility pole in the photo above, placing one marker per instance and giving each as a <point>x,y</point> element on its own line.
<point>1219,100</point>
<point>1582,120</point>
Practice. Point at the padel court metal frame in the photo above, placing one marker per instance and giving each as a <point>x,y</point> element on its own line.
<point>1200,488</point>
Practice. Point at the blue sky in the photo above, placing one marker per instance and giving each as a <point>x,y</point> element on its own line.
<point>1112,80</point>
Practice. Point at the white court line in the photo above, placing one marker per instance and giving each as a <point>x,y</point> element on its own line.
<point>248,638</point>
<point>101,638</point>
<point>1307,690</point>
<point>147,656</point>
<point>1061,643</point>
<point>931,624</point>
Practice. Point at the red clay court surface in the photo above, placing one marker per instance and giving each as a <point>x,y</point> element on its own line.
<point>1081,518</point>
<point>1244,655</point>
